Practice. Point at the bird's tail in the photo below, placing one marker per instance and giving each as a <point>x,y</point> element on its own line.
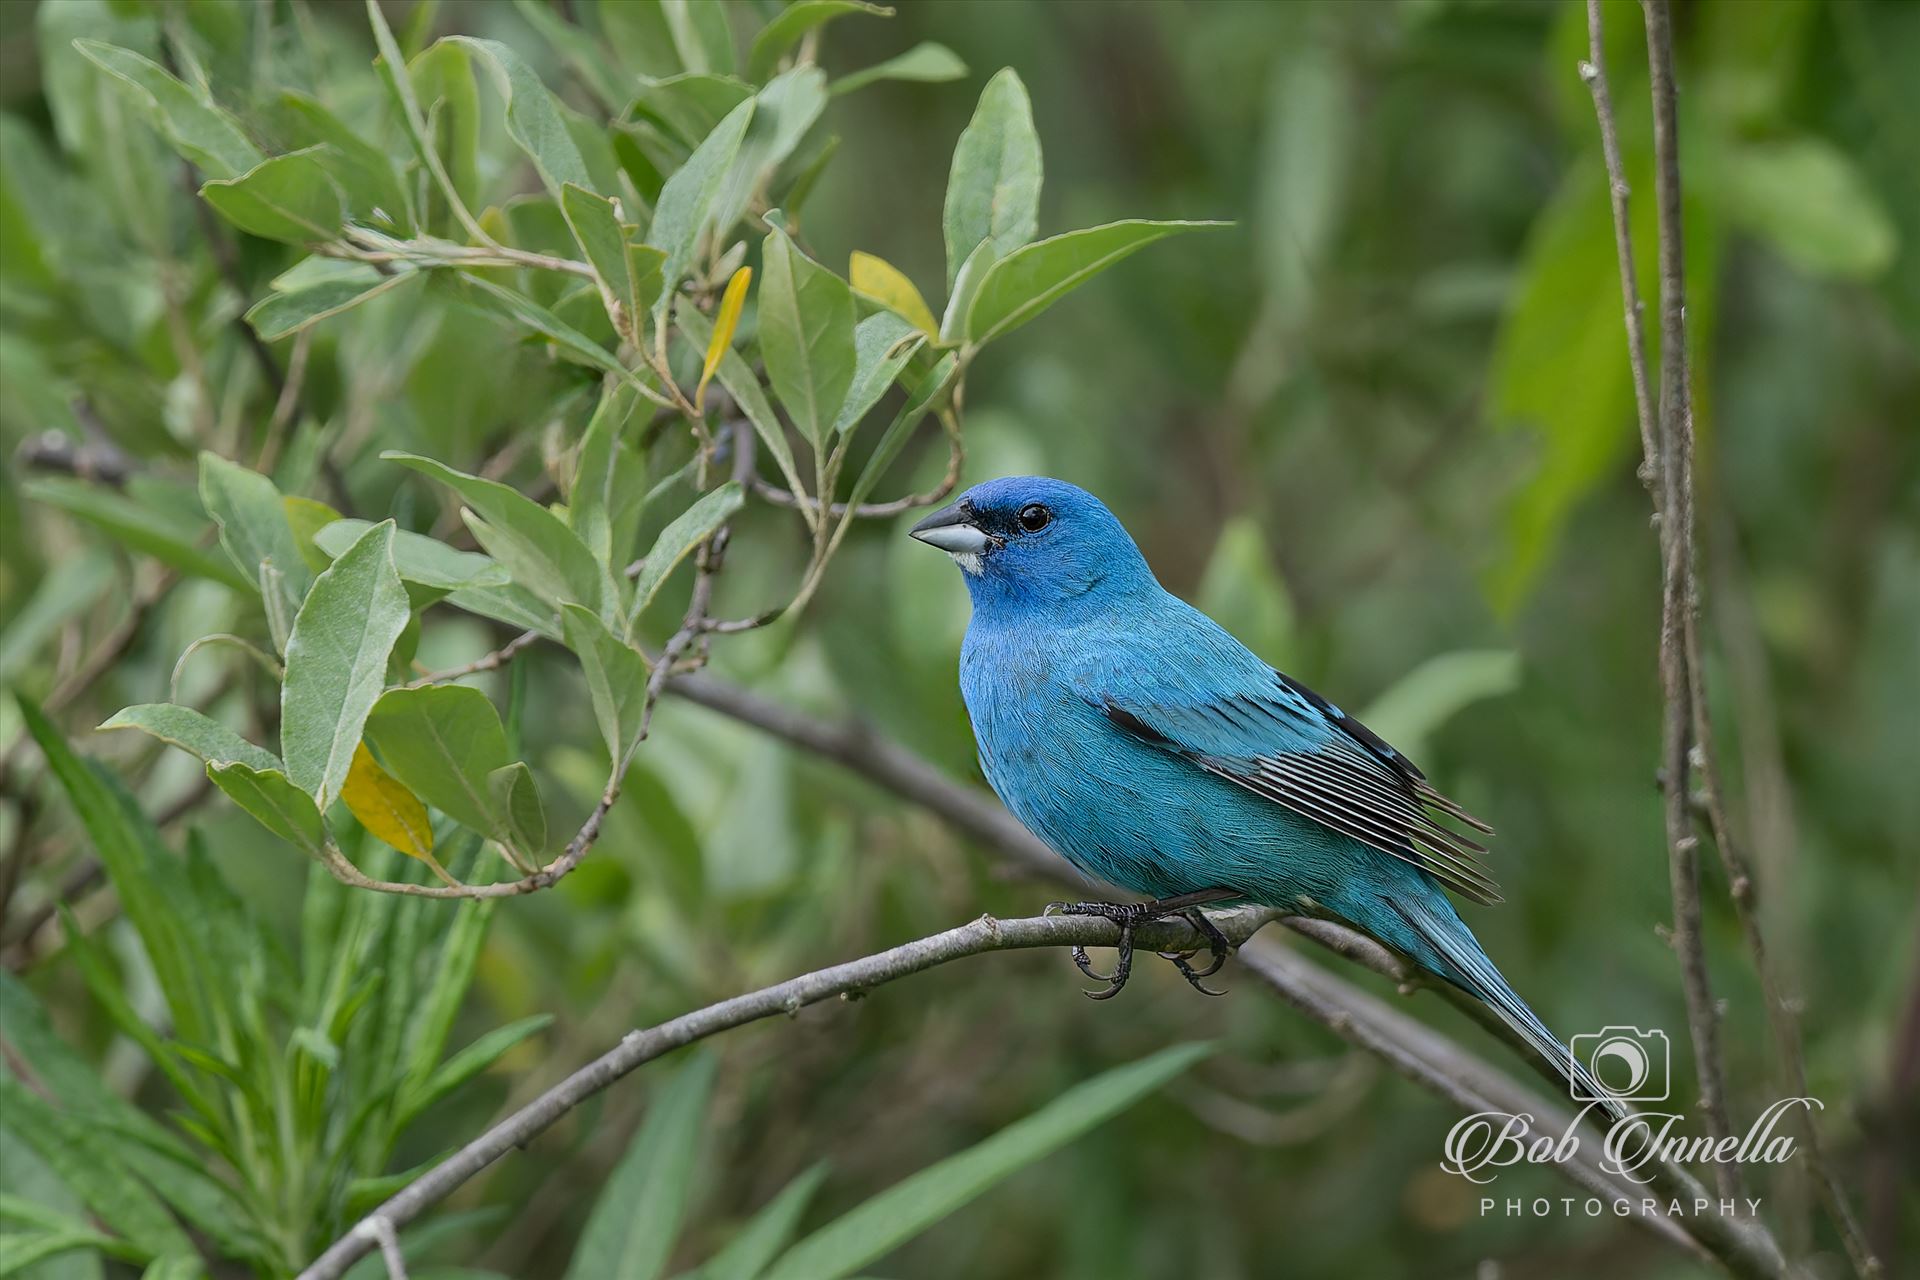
<point>1466,965</point>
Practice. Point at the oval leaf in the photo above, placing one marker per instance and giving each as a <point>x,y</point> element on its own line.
<point>442,742</point>
<point>337,662</point>
<point>291,198</point>
<point>193,732</point>
<point>993,188</point>
<point>806,336</point>
<point>1022,285</point>
<point>274,802</point>
<point>887,285</point>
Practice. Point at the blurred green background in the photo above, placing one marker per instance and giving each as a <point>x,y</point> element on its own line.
<point>1382,428</point>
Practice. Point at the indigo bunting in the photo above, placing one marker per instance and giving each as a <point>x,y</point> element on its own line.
<point>1154,751</point>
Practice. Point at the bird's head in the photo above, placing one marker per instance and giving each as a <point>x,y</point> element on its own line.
<point>1034,540</point>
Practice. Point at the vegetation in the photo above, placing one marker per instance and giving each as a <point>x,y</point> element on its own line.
<point>469,448</point>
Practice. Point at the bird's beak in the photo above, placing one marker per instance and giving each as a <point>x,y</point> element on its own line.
<point>951,529</point>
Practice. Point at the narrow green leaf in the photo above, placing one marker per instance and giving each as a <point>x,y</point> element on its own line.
<point>766,1233</point>
<point>701,34</point>
<point>253,525</point>
<point>923,397</point>
<point>907,1208</point>
<point>535,545</point>
<point>291,198</point>
<point>418,558</point>
<point>198,129</point>
<point>442,742</point>
<point>688,198</point>
<point>1409,711</point>
<point>166,534</point>
<point>364,173</point>
<point>453,971</point>
<point>337,662</point>
<point>1026,282</point>
<point>470,1062</point>
<point>604,242</point>
<point>746,391</point>
<point>795,21</point>
<point>513,605</point>
<point>806,336</point>
<point>607,488</point>
<point>926,62</point>
<point>533,119</point>
<point>883,343</point>
<point>783,113</point>
<point>280,315</point>
<point>579,50</point>
<point>689,106</point>
<point>993,188</point>
<point>682,535</point>
<point>631,1231</point>
<point>524,311</point>
<point>616,678</point>
<point>519,819</point>
<point>192,732</point>
<point>87,1165</point>
<point>953,321</point>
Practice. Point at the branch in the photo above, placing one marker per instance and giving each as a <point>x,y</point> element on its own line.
<point>1688,739</point>
<point>849,981</point>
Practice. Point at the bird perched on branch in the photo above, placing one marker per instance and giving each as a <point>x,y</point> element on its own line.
<point>1155,752</point>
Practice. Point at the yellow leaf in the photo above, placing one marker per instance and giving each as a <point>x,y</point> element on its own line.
<point>887,285</point>
<point>387,809</point>
<point>725,321</point>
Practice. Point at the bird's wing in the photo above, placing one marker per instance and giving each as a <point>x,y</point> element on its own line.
<point>1288,744</point>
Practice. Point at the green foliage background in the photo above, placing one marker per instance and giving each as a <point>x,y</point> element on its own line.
<point>1381,427</point>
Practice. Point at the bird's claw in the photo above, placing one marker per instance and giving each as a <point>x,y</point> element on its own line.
<point>1129,914</point>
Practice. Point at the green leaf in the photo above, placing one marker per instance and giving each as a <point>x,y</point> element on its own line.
<point>87,1165</point>
<point>1029,280</point>
<point>365,175</point>
<point>682,535</point>
<point>631,1231</point>
<point>291,198</point>
<point>993,188</point>
<point>533,119</point>
<point>515,606</point>
<point>524,311</point>
<point>535,545</point>
<point>746,391</point>
<point>785,110</point>
<point>894,438</point>
<point>443,79</point>
<point>337,662</point>
<point>579,50</point>
<point>442,742</point>
<point>688,198</point>
<point>453,969</point>
<point>766,1233</point>
<point>883,343</point>
<point>166,534</point>
<point>192,732</point>
<point>903,1211</point>
<point>795,21</point>
<point>1243,591</point>
<point>1427,697</point>
<point>280,315</point>
<point>198,129</point>
<point>392,64</point>
<point>418,558</point>
<point>608,490</point>
<point>953,321</point>
<point>519,819</point>
<point>271,797</point>
<point>689,106</point>
<point>1809,201</point>
<point>616,679</point>
<point>926,62</point>
<point>253,528</point>
<point>604,241</point>
<point>806,336</point>
<point>701,34</point>
<point>470,1062</point>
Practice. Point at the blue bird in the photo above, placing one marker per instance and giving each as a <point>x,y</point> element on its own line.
<point>1154,751</point>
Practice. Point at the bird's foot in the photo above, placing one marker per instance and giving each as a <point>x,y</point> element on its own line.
<point>1130,914</point>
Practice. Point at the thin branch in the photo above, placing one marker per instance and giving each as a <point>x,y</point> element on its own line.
<point>1594,72</point>
<point>488,662</point>
<point>1677,674</point>
<point>956,460</point>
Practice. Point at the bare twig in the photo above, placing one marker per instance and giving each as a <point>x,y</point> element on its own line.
<point>488,662</point>
<point>956,460</point>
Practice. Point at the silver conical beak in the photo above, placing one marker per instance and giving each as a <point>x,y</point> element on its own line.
<point>951,529</point>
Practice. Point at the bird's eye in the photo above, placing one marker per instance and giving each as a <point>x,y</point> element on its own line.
<point>1034,517</point>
